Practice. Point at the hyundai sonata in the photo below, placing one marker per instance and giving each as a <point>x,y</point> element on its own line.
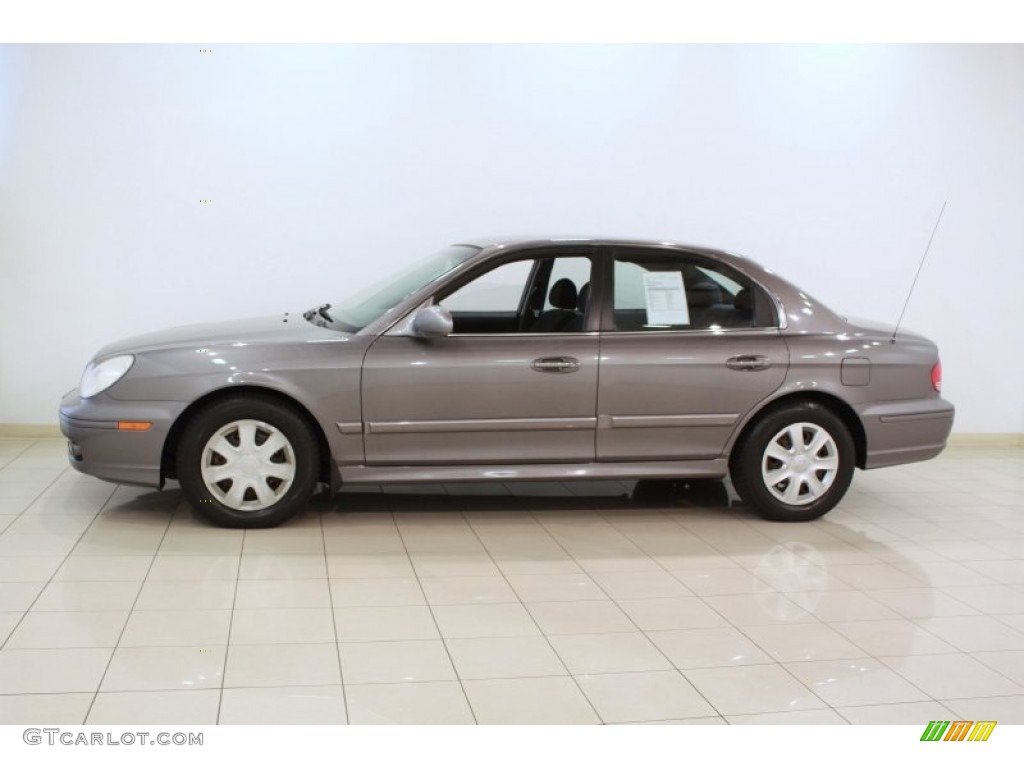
<point>506,360</point>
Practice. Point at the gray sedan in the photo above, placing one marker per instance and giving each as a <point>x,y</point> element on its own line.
<point>513,359</point>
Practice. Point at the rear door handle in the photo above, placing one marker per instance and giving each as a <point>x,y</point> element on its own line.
<point>748,363</point>
<point>556,364</point>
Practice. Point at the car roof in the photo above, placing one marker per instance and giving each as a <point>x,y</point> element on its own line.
<point>524,241</point>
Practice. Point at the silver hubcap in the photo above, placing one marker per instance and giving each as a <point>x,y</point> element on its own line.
<point>248,465</point>
<point>800,464</point>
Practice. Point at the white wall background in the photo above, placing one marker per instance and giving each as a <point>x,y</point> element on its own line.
<point>330,166</point>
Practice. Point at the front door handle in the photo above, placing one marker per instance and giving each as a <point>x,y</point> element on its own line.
<point>748,363</point>
<point>556,364</point>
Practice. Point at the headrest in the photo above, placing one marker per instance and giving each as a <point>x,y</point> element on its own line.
<point>583,298</point>
<point>743,300</point>
<point>563,294</point>
<point>704,294</point>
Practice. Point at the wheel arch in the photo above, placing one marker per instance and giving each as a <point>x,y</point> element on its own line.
<point>327,472</point>
<point>827,400</point>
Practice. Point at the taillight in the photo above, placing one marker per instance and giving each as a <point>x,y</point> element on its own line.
<point>937,377</point>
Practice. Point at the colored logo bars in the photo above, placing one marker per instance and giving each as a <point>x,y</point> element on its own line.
<point>959,730</point>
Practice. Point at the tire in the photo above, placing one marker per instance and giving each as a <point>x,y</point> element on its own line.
<point>795,463</point>
<point>226,472</point>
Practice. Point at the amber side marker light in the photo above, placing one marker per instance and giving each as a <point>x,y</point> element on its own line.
<point>134,426</point>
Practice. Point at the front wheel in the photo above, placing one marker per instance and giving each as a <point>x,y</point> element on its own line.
<point>795,464</point>
<point>248,462</point>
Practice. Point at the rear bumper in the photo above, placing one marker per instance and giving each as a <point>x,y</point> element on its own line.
<point>905,431</point>
<point>98,448</point>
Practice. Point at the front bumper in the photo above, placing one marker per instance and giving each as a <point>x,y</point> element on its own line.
<point>906,430</point>
<point>97,447</point>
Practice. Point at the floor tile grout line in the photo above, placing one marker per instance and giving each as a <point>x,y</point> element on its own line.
<point>231,625</point>
<point>850,543</point>
<point>334,621</point>
<point>128,618</point>
<point>926,699</point>
<point>863,656</point>
<point>3,646</point>
<point>973,656</point>
<point>31,443</point>
<point>646,633</point>
<point>643,632</point>
<point>775,662</point>
<point>522,603</point>
<point>959,648</point>
<point>910,682</point>
<point>41,493</point>
<point>546,636</point>
<point>433,616</point>
<point>817,620</point>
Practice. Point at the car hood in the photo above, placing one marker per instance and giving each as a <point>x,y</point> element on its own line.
<point>275,329</point>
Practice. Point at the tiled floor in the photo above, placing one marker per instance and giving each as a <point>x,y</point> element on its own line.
<point>541,603</point>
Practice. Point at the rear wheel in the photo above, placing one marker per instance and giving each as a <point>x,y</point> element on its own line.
<point>247,462</point>
<point>795,464</point>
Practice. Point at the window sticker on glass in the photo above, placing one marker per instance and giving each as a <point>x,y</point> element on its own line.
<point>666,299</point>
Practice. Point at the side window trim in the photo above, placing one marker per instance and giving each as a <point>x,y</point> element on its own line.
<point>543,260</point>
<point>767,312</point>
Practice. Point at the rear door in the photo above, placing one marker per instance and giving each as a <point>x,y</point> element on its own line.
<point>688,347</point>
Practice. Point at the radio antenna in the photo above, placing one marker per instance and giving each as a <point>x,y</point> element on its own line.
<point>918,274</point>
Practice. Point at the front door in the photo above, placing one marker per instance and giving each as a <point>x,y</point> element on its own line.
<point>515,383</point>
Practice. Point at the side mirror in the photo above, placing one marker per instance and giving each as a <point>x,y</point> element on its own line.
<point>432,322</point>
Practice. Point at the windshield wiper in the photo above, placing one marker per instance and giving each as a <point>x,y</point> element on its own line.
<point>310,315</point>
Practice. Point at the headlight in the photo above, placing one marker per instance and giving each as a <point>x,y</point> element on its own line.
<point>100,376</point>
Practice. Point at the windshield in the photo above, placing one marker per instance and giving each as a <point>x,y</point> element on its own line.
<point>362,308</point>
